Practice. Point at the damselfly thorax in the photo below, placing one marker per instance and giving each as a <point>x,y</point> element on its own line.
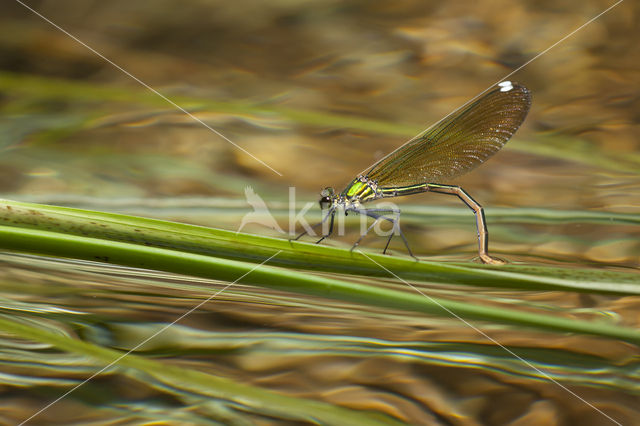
<point>360,190</point>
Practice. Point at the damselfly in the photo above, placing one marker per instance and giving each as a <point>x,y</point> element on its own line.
<point>453,146</point>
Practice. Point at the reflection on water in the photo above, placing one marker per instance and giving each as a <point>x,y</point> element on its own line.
<point>319,91</point>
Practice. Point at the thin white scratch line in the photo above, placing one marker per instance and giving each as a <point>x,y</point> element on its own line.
<point>64,395</point>
<point>482,333</point>
<point>149,87</point>
<point>503,78</point>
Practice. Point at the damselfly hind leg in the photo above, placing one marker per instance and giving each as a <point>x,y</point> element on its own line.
<point>483,234</point>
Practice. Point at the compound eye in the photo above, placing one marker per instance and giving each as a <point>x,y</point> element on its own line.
<point>324,202</point>
<point>326,196</point>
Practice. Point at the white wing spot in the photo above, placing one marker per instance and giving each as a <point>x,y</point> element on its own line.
<point>505,86</point>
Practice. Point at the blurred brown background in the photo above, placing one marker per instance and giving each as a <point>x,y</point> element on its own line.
<point>279,78</point>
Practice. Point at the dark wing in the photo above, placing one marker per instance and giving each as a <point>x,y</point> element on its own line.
<point>458,143</point>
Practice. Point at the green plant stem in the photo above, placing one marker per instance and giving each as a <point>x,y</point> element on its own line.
<point>253,248</point>
<point>134,255</point>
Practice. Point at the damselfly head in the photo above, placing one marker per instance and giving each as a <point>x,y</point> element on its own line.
<point>326,197</point>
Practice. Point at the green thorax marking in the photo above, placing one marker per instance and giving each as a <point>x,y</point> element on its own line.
<point>360,189</point>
